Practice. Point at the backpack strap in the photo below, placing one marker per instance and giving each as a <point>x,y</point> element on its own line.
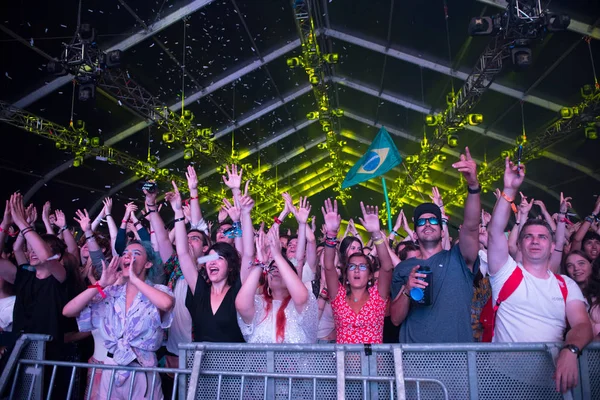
<point>511,284</point>
<point>563,286</point>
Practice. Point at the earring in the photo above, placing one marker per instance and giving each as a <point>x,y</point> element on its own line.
<point>369,283</point>
<point>347,282</point>
<point>269,292</point>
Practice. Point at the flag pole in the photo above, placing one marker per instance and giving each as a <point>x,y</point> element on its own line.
<point>387,204</point>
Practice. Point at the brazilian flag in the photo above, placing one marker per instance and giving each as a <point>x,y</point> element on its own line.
<point>381,157</point>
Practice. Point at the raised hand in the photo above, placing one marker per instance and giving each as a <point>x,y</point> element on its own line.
<point>107,209</point>
<point>486,217</point>
<point>261,247</point>
<point>222,215</point>
<point>61,221</point>
<point>32,214</point>
<point>514,175</point>
<point>151,197</point>
<point>246,202</point>
<point>331,217</point>
<point>129,209</point>
<point>541,205</point>
<point>274,242</point>
<point>565,203</point>
<point>109,273</point>
<point>17,210</point>
<point>302,212</point>
<point>174,197</point>
<point>210,225</point>
<point>192,179</point>
<point>436,197</point>
<point>7,219</point>
<point>497,194</point>
<point>46,211</point>
<point>83,218</point>
<point>233,180</point>
<point>370,218</point>
<point>289,203</point>
<point>187,212</point>
<point>468,167</point>
<point>524,206</point>
<point>233,210</point>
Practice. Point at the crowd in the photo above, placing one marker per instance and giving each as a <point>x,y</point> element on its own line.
<point>129,295</point>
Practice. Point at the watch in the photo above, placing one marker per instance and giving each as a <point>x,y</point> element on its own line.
<point>572,348</point>
<point>474,191</point>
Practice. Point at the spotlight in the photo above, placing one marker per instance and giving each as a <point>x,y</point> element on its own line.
<point>208,133</point>
<point>188,154</point>
<point>412,159</point>
<point>431,120</point>
<point>113,58</point>
<point>481,26</point>
<point>450,97</point>
<point>506,153</point>
<point>557,22</point>
<point>313,115</point>
<point>294,62</point>
<point>56,68</point>
<point>96,141</point>
<point>168,137</point>
<point>331,133</point>
<point>163,172</point>
<point>235,154</point>
<point>320,146</point>
<point>337,112</point>
<point>452,140</point>
<point>475,119</point>
<point>587,91</point>
<point>86,92</point>
<point>591,132</point>
<point>521,140</point>
<point>440,158</point>
<point>77,161</point>
<point>314,79</point>
<point>521,54</point>
<point>79,125</point>
<point>187,115</point>
<point>567,112</point>
<point>331,58</point>
<point>86,33</point>
<point>61,146</point>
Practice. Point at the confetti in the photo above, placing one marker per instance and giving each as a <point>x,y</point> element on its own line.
<point>74,200</point>
<point>8,76</point>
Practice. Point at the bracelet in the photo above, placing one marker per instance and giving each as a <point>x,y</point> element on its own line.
<point>331,243</point>
<point>590,219</point>
<point>151,205</point>
<point>511,201</point>
<point>404,292</point>
<point>517,223</point>
<point>194,198</point>
<point>151,232</point>
<point>176,220</point>
<point>107,215</point>
<point>445,221</point>
<point>474,191</point>
<point>395,233</point>
<point>125,221</point>
<point>378,241</point>
<point>61,230</point>
<point>148,213</point>
<point>1,230</point>
<point>89,237</point>
<point>562,220</point>
<point>277,220</point>
<point>558,251</point>
<point>26,230</point>
<point>97,286</point>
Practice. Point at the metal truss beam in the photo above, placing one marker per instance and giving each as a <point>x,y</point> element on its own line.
<point>123,45</point>
<point>453,153</point>
<point>574,26</point>
<point>424,109</point>
<point>252,66</point>
<point>205,175</point>
<point>434,66</point>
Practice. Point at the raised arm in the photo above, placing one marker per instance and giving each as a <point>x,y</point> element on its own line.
<point>6,223</point>
<point>585,226</point>
<point>292,281</point>
<point>469,233</point>
<point>41,249</point>
<point>234,212</point>
<point>46,218</point>
<point>165,247</point>
<point>332,226</point>
<point>301,213</point>
<point>245,206</point>
<point>436,198</point>
<point>161,300</point>
<point>72,247</point>
<point>557,255</point>
<point>186,262</point>
<point>497,243</point>
<point>195,212</point>
<point>311,246</point>
<point>370,221</point>
<point>112,225</point>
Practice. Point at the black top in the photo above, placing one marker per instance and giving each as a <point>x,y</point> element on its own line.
<point>209,327</point>
<point>39,304</point>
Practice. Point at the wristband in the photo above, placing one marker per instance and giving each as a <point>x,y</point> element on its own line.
<point>194,198</point>
<point>97,286</point>
<point>148,213</point>
<point>151,205</point>
<point>331,243</point>
<point>590,219</point>
<point>395,233</point>
<point>107,215</point>
<point>1,230</point>
<point>511,201</point>
<point>178,220</point>
<point>89,237</point>
<point>474,191</point>
<point>378,241</point>
<point>61,230</point>
<point>26,230</point>
<point>517,223</point>
<point>558,251</point>
<point>277,221</point>
<point>124,221</point>
<point>151,232</point>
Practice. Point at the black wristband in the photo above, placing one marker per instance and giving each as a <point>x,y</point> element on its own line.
<point>474,191</point>
<point>178,220</point>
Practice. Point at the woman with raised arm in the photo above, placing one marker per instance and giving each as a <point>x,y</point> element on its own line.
<point>358,305</point>
<point>284,312</point>
<point>131,316</point>
<point>211,301</point>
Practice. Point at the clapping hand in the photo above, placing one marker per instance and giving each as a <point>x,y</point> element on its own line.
<point>109,273</point>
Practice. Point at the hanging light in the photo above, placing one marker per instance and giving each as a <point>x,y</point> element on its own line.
<point>431,120</point>
<point>474,119</point>
<point>591,132</point>
<point>168,137</point>
<point>452,140</point>
<point>312,115</point>
<point>188,154</point>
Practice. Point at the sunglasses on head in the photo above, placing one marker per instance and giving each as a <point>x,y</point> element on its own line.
<point>362,267</point>
<point>431,220</point>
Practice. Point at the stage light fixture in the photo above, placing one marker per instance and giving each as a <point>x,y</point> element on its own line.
<point>61,146</point>
<point>567,112</point>
<point>450,98</point>
<point>79,125</point>
<point>314,79</point>
<point>521,140</point>
<point>557,22</point>
<point>113,58</point>
<point>162,172</point>
<point>187,115</point>
<point>431,120</point>
<point>77,161</point>
<point>337,112</point>
<point>86,33</point>
<point>475,119</point>
<point>168,137</point>
<point>412,159</point>
<point>208,133</point>
<point>56,68</point>
<point>591,132</point>
<point>312,115</point>
<point>506,153</point>
<point>188,154</point>
<point>294,62</point>
<point>86,92</point>
<point>331,58</point>
<point>96,141</point>
<point>521,54</point>
<point>440,158</point>
<point>452,140</point>
<point>587,91</point>
<point>481,26</point>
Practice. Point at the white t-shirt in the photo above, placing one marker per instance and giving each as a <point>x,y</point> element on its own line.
<point>326,322</point>
<point>535,311</point>
<point>181,327</point>
<point>6,313</point>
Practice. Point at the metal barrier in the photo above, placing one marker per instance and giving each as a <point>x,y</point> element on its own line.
<point>252,371</point>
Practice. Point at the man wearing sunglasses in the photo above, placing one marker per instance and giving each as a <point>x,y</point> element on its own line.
<point>447,319</point>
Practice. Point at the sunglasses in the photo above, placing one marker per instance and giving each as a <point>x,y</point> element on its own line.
<point>362,267</point>
<point>431,220</point>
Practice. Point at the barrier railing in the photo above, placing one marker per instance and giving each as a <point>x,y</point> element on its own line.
<point>272,371</point>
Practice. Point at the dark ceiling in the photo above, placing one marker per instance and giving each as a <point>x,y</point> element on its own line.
<point>394,59</point>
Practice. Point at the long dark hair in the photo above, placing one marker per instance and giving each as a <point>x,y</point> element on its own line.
<point>230,254</point>
<point>347,242</point>
<point>345,270</point>
<point>592,289</point>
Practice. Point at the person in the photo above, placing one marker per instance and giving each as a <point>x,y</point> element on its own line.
<point>537,310</point>
<point>358,305</point>
<point>587,240</point>
<point>211,301</point>
<point>131,316</point>
<point>7,303</point>
<point>579,267</point>
<point>448,318</point>
<point>284,312</point>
